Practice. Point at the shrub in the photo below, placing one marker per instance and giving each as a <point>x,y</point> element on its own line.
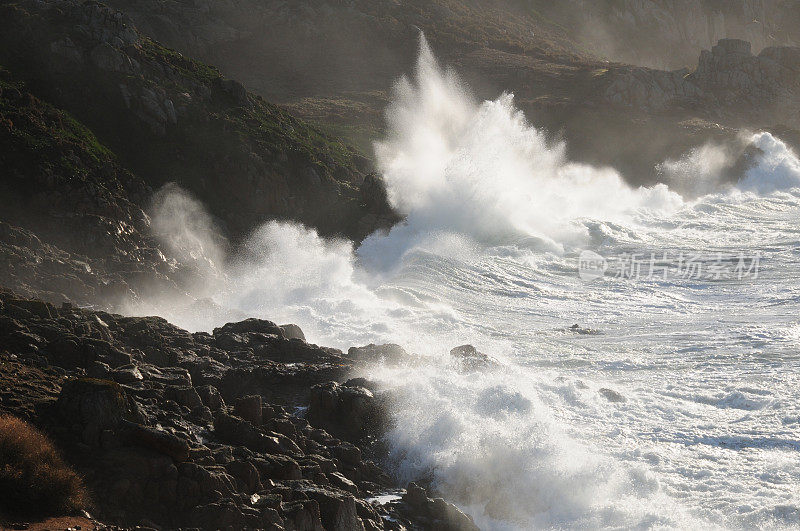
<point>34,480</point>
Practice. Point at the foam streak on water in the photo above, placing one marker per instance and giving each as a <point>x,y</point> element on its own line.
<point>684,412</point>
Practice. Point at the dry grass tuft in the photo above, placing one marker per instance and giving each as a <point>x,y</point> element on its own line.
<point>34,480</point>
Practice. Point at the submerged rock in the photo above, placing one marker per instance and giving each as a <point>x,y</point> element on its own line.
<point>470,359</point>
<point>611,395</point>
<point>389,353</point>
<point>578,329</point>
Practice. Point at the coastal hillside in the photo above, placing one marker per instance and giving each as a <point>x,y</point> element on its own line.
<point>550,249</point>
<point>170,118</point>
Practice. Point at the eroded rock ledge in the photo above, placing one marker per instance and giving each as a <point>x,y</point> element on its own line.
<point>249,426</point>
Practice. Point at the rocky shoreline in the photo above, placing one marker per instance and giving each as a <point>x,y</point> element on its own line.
<point>247,427</point>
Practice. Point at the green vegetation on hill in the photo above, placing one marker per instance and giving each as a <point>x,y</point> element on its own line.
<point>60,180</point>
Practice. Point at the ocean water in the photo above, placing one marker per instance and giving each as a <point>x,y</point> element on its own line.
<point>674,404</point>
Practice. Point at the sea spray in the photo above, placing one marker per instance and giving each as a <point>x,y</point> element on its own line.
<point>452,165</point>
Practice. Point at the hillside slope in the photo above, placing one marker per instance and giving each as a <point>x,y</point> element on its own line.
<point>170,118</point>
<point>71,226</point>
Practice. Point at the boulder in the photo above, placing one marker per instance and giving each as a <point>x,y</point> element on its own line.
<point>470,359</point>
<point>347,412</point>
<point>292,331</point>
<point>249,408</point>
<point>249,325</point>
<point>302,514</point>
<point>436,512</point>
<point>611,395</point>
<point>186,396</point>
<point>278,467</point>
<point>93,405</point>
<point>160,441</point>
<point>246,474</point>
<point>337,509</point>
<point>241,432</point>
<point>389,353</point>
<point>128,374</point>
<point>210,397</point>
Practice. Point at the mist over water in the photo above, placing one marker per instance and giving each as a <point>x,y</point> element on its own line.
<point>702,426</point>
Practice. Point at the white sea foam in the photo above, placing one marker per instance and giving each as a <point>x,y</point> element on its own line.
<point>776,168</point>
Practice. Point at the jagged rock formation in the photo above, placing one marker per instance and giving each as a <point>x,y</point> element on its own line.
<point>176,429</point>
<point>729,82</point>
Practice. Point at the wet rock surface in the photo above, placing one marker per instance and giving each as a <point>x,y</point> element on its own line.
<point>166,435</point>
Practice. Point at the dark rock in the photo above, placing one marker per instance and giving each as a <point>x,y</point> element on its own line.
<point>416,496</point>
<point>470,359</point>
<point>611,395</point>
<point>578,329</point>
<point>302,515</point>
<point>184,395</point>
<point>441,514</point>
<point>249,325</point>
<point>241,432</point>
<point>337,509</point>
<point>341,482</point>
<point>160,454</point>
<point>40,309</point>
<point>211,397</point>
<point>278,467</point>
<point>99,370</point>
<point>348,412</point>
<point>89,400</point>
<point>347,453</point>
<point>126,375</point>
<point>389,353</point>
<point>247,475</point>
<point>292,331</point>
<point>249,408</point>
<point>94,405</point>
<point>160,441</point>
